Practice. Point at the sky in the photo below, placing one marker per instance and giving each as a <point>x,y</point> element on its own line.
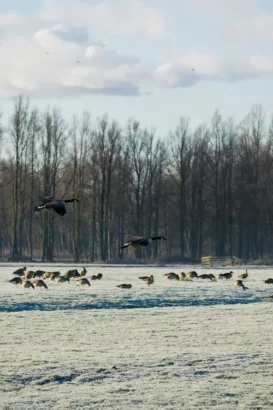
<point>152,60</point>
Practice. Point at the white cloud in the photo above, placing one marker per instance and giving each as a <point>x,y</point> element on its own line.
<point>60,59</point>
<point>57,60</point>
<point>194,67</point>
<point>125,18</point>
<point>11,19</point>
<point>232,6</point>
<point>258,29</point>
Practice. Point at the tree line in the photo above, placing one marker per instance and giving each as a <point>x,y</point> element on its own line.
<point>208,190</point>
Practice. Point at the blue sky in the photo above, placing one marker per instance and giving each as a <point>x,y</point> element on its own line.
<point>153,60</point>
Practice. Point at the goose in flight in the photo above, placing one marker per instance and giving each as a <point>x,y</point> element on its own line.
<point>137,241</point>
<point>58,205</point>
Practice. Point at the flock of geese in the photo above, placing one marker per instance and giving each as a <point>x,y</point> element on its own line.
<point>34,279</point>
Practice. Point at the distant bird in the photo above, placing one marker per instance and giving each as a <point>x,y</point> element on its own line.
<point>137,241</point>
<point>83,281</point>
<point>268,281</point>
<point>125,286</point>
<point>20,271</point>
<point>77,62</point>
<point>46,52</point>
<point>58,205</point>
<point>243,275</point>
<point>39,283</point>
<point>16,281</point>
<point>27,284</point>
<point>239,284</point>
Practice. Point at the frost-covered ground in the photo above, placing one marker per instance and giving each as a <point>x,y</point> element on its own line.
<point>176,345</point>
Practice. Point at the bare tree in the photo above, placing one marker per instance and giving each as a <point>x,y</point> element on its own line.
<point>18,131</point>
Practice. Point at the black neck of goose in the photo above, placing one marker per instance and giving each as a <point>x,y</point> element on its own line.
<point>70,200</point>
<point>155,237</point>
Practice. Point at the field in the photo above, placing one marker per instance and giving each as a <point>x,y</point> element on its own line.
<point>174,345</point>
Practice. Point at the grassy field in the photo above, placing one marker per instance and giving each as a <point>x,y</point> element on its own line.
<point>173,345</point>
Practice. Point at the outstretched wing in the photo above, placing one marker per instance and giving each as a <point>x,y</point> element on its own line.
<point>46,199</point>
<point>136,239</point>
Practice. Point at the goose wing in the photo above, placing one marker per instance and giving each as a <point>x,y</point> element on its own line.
<point>46,199</point>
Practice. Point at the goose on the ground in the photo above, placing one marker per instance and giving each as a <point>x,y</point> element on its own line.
<point>143,277</point>
<point>172,276</point>
<point>137,241</point>
<point>149,281</point>
<point>57,205</point>
<point>39,273</point>
<point>209,276</point>
<point>16,281</point>
<point>243,275</point>
<point>192,274</point>
<point>20,271</point>
<point>54,275</point>
<point>39,283</point>
<point>29,274</point>
<point>125,286</point>
<point>71,273</point>
<point>83,272</point>
<point>62,279</point>
<point>83,281</point>
<point>268,281</point>
<point>239,284</point>
<point>27,284</point>
<point>96,277</point>
<point>227,275</point>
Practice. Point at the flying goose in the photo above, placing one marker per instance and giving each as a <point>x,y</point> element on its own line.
<point>58,205</point>
<point>137,241</point>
